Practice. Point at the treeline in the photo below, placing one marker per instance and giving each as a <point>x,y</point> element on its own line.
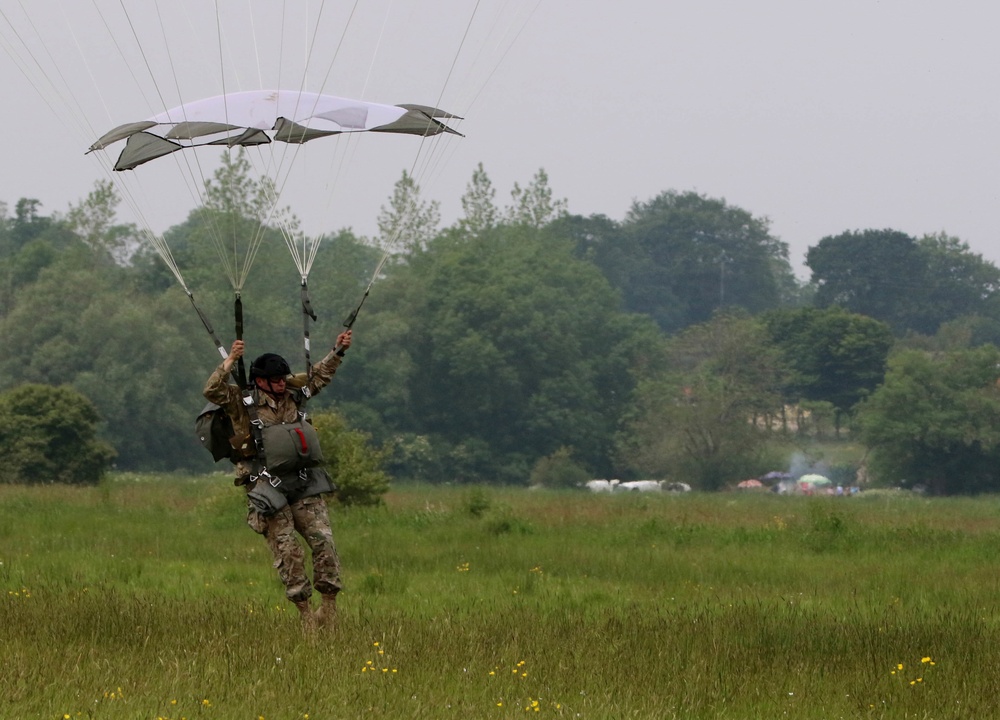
<point>525,342</point>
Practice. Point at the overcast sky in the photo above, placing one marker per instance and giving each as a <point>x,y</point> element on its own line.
<point>823,117</point>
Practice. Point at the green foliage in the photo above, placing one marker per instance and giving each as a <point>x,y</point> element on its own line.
<point>132,359</point>
<point>500,350</point>
<point>478,205</point>
<point>558,470</point>
<point>484,348</point>
<point>834,356</point>
<point>911,285</point>
<point>353,463</point>
<point>936,422</point>
<point>960,283</point>
<point>533,206</point>
<point>875,273</point>
<point>682,256</point>
<point>695,423</point>
<point>477,502</point>
<point>408,221</point>
<point>93,220</point>
<point>49,435</point>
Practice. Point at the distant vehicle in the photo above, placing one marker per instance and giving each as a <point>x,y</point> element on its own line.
<point>640,486</point>
<point>600,486</point>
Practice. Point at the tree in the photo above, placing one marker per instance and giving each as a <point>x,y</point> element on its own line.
<point>936,422</point>
<point>355,466</point>
<point>681,256</point>
<point>695,421</point>
<point>501,352</point>
<point>49,435</point>
<point>911,285</point>
<point>877,273</point>
<point>28,223</point>
<point>558,470</point>
<point>834,355</point>
<point>93,220</point>
<point>534,206</point>
<point>478,205</point>
<point>408,221</point>
<point>960,283</point>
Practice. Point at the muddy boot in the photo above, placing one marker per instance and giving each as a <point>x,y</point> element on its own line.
<point>308,619</point>
<point>326,614</point>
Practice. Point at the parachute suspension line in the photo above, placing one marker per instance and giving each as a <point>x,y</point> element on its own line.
<point>64,93</point>
<point>222,61</point>
<point>142,52</point>
<point>343,159</point>
<point>237,277</point>
<point>418,170</point>
<point>340,44</point>
<point>198,194</point>
<point>231,270</point>
<point>281,42</point>
<point>189,177</point>
<point>281,171</point>
<point>194,190</point>
<point>256,49</point>
<point>454,60</point>
<point>503,56</point>
<point>211,330</point>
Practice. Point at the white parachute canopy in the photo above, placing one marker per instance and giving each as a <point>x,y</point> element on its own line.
<point>259,117</point>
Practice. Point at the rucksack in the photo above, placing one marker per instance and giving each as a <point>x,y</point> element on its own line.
<point>214,429</point>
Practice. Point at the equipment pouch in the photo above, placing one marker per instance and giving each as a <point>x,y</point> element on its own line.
<point>316,482</point>
<point>291,447</point>
<point>265,498</point>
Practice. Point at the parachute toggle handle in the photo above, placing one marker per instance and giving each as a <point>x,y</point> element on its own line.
<point>349,322</point>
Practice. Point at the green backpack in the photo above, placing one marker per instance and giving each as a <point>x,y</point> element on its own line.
<point>214,429</point>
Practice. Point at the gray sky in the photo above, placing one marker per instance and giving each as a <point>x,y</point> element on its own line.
<point>824,117</point>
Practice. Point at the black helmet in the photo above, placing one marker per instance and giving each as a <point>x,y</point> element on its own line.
<point>269,365</point>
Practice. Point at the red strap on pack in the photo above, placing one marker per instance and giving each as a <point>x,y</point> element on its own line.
<point>302,439</point>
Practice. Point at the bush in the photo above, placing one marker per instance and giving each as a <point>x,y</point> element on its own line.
<point>558,470</point>
<point>49,435</point>
<point>354,464</point>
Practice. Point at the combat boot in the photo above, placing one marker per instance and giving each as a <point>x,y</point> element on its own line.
<point>308,619</point>
<point>326,614</point>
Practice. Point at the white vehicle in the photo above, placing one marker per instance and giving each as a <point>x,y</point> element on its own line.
<point>601,486</point>
<point>640,486</point>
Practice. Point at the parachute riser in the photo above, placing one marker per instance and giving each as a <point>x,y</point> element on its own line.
<point>211,331</point>
<point>241,373</point>
<point>307,314</point>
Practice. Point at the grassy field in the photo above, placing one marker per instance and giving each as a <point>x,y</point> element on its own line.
<point>147,597</point>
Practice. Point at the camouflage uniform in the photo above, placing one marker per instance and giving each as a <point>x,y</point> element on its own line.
<point>307,516</point>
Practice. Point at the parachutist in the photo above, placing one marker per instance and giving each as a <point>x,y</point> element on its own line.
<point>278,462</point>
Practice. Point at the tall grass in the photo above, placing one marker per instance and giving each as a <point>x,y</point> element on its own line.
<point>147,597</point>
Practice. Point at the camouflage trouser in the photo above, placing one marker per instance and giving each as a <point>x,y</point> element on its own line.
<point>308,517</point>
